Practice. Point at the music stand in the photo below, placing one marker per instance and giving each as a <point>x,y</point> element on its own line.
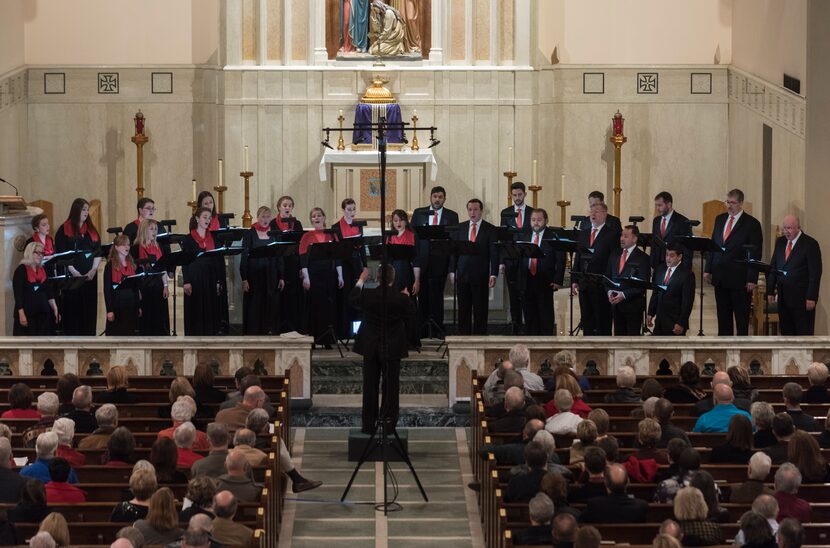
<point>703,245</point>
<point>273,250</point>
<point>766,268</point>
<point>61,283</point>
<point>169,262</point>
<point>225,236</point>
<point>632,282</point>
<point>569,246</point>
<point>293,236</point>
<point>331,252</point>
<point>430,234</point>
<point>453,248</point>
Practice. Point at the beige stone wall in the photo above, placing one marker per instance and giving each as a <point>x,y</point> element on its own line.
<point>11,35</point>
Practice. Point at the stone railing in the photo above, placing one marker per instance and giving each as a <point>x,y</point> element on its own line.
<point>289,356</point>
<point>767,355</point>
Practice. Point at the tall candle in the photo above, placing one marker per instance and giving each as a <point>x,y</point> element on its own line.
<point>246,158</point>
<point>510,159</point>
<point>563,186</point>
<point>194,190</point>
<point>221,173</point>
<point>341,112</point>
<point>414,113</point>
<point>534,173</point>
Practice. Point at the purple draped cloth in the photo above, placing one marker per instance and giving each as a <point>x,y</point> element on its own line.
<point>365,114</point>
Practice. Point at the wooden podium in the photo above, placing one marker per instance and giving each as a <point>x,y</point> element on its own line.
<point>10,204</point>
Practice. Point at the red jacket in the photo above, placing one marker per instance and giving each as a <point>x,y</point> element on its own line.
<point>579,408</point>
<point>21,414</point>
<point>791,506</point>
<point>75,458</point>
<point>63,493</point>
<point>186,458</point>
<point>201,442</point>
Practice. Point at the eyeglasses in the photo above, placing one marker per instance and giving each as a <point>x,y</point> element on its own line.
<point>37,252</point>
<point>732,202</point>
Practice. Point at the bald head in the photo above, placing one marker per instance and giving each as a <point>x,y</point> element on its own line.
<point>224,505</point>
<point>202,522</point>
<point>514,398</point>
<point>254,397</point>
<point>237,463</point>
<point>122,543</point>
<point>721,377</point>
<point>791,226</point>
<point>616,478</point>
<point>723,394</point>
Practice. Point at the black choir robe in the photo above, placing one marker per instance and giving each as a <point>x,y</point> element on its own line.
<point>123,303</point>
<point>292,300</point>
<point>261,304</point>
<point>33,297</point>
<point>346,313</point>
<point>155,314</point>
<point>322,295</point>
<point>79,313</point>
<point>203,311</point>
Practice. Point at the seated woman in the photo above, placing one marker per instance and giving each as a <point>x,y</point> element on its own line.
<point>649,433</point>
<point>120,448</point>
<point>741,384</point>
<point>200,492</point>
<point>164,455</point>
<point>691,512</point>
<point>58,489</point>
<point>569,382</point>
<point>161,526</point>
<point>65,429</point>
<point>20,403</point>
<point>704,481</point>
<point>67,383</point>
<point>142,486</point>
<point>586,436</point>
<point>118,381</point>
<point>688,389</point>
<point>803,451</point>
<point>55,524</point>
<point>203,386</point>
<point>738,446</point>
<point>762,415</point>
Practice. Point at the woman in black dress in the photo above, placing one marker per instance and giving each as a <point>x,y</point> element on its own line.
<point>40,234</point>
<point>407,271</point>
<point>352,268</point>
<point>123,305</point>
<point>261,280</point>
<point>35,310</point>
<point>321,279</point>
<point>155,318</point>
<point>205,200</point>
<point>204,280</point>
<point>292,299</point>
<point>80,306</point>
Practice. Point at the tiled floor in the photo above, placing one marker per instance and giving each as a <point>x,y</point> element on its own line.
<point>441,459</point>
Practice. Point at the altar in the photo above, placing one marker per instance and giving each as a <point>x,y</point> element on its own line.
<point>356,174</point>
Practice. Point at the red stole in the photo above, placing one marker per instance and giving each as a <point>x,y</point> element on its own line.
<point>347,230</point>
<point>69,230</point>
<point>35,276</point>
<point>152,251</point>
<point>205,243</point>
<point>214,223</point>
<point>259,228</point>
<point>313,237</point>
<point>125,271</point>
<point>407,238</point>
<point>48,245</point>
<point>283,226</point>
<point>137,221</point>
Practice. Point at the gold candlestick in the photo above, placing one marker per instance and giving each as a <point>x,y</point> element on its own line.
<point>535,190</point>
<point>510,175</point>
<point>220,197</point>
<point>563,210</point>
<point>341,144</point>
<point>192,205</point>
<point>415,132</point>
<point>246,216</point>
<point>618,140</point>
<point>140,140</point>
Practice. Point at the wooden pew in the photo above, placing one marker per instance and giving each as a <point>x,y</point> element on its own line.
<point>102,532</point>
<point>101,511</point>
<point>270,383</point>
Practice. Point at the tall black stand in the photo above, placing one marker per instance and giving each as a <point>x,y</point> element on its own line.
<point>695,243</point>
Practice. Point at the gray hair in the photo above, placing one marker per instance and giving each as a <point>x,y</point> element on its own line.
<point>82,397</point>
<point>181,411</point>
<point>519,356</point>
<point>42,540</point>
<point>626,377</point>
<point>257,420</point>
<point>144,464</point>
<point>5,431</point>
<point>5,452</point>
<point>546,440</point>
<point>563,400</point>
<point>788,478</point>
<point>817,373</point>
<point>217,434</point>
<point>130,533</point>
<point>648,406</point>
<point>244,436</point>
<point>48,404</point>
<point>759,466</point>
<point>65,429</point>
<point>766,505</point>
<point>107,415</point>
<point>195,537</point>
<point>202,522</point>
<point>541,509</point>
<point>46,445</point>
<point>762,414</point>
<point>185,435</point>
<point>514,398</point>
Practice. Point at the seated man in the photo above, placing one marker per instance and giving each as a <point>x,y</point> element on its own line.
<point>234,417</point>
<point>787,484</point>
<point>244,441</point>
<point>757,472</point>
<point>790,534</point>
<point>626,379</point>
<point>564,422</point>
<point>107,418</point>
<point>765,506</point>
<point>717,420</point>
<point>519,358</point>
<point>514,418</point>
<point>513,453</point>
<point>238,479</point>
<point>243,383</point>
<point>47,406</point>
<point>783,429</point>
<point>45,448</point>
<point>817,393</point>
<point>594,484</point>
<point>673,451</point>
<point>565,529</point>
<point>65,429</point>
<point>213,465</point>
<point>706,404</point>
<point>540,532</point>
<point>181,412</point>
<point>617,506</point>
<point>793,394</point>
<point>225,529</point>
<point>259,423</point>
<point>493,391</point>
<point>524,487</point>
<point>85,422</point>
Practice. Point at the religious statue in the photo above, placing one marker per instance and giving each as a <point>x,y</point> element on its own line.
<point>408,10</point>
<point>386,30</point>
<point>354,26</point>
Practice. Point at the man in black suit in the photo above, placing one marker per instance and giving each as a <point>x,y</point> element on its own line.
<point>381,358</point>
<point>540,531</point>
<point>617,506</point>
<point>795,278</point>
<point>734,282</point>
<point>596,242</point>
<point>434,269</point>
<point>476,273</point>
<point>672,306</point>
<point>516,217</point>
<point>668,225</point>
<point>629,303</point>
<point>594,198</point>
<point>539,278</point>
<point>524,486</point>
<point>11,483</point>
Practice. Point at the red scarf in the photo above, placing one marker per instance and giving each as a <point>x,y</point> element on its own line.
<point>259,228</point>
<point>214,223</point>
<point>125,270</point>
<point>48,245</point>
<point>347,230</point>
<point>311,238</point>
<point>35,276</point>
<point>283,226</point>
<point>205,243</point>
<point>152,251</point>
<point>69,231</point>
<point>408,238</point>
<point>137,221</point>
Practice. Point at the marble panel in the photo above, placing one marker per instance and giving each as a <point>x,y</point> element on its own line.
<point>166,358</point>
<point>85,358</point>
<point>265,355</point>
<point>763,357</point>
<point>341,86</point>
<point>40,359</point>
<point>790,361</point>
<point>656,357</point>
<point>11,358</point>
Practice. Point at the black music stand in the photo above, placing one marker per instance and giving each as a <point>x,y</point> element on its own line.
<point>453,248</point>
<point>430,234</point>
<point>702,245</point>
<point>169,262</point>
<point>61,283</point>
<point>569,246</point>
<point>332,252</point>
<point>766,268</point>
<point>273,250</point>
<point>226,236</point>
<point>633,282</point>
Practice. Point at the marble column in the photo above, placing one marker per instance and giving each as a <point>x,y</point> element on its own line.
<point>318,32</point>
<point>231,33</point>
<point>439,14</point>
<point>15,228</point>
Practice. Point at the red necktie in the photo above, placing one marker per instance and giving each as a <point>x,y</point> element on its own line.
<point>728,230</point>
<point>668,275</point>
<point>623,257</point>
<point>593,235</point>
<point>519,218</point>
<point>533,261</point>
<point>434,218</point>
<point>788,250</point>
<point>663,228</point>
<point>473,232</point>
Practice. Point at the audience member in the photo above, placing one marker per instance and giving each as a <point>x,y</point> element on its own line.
<point>563,422</point>
<point>792,399</point>
<point>524,486</point>
<point>540,531</point>
<point>663,412</point>
<point>514,417</point>
<point>687,390</point>
<point>42,540</point>
<point>58,489</point>
<point>65,389</point>
<point>31,508</point>
<point>213,465</point>
<point>45,448</point>
<point>625,393</point>
<point>568,382</point>
<point>738,446</point>
<point>118,383</point>
<point>588,536</point>
<point>11,483</point>
<point>616,506</point>
<point>511,379</point>
<point>244,441</point>
<point>81,413</point>
<point>645,411</point>
<point>242,384</point>
<point>691,512</point>
<point>766,507</point>
<point>717,420</point>
<point>586,437</point>
<point>755,532</point>
<point>648,434</point>
<point>804,452</point>
<point>162,522</point>
<point>593,480</point>
<point>238,478</point>
<point>790,534</point>
<point>563,362</point>
<point>787,484</point>
<point>106,417</point>
<point>674,449</point>
<point>225,530</point>
<point>535,411</point>
<point>783,429</point>
<point>757,472</point>
<point>55,524</point>
<point>611,446</point>
<point>131,535</point>
<point>602,421</point>
<point>671,528</point>
<point>707,404</point>
<point>665,541</point>
<point>824,437</point>
<point>184,436</point>
<point>555,486</point>
<point>259,423</point>
<point>20,403</point>
<point>142,486</point>
<point>817,393</point>
<point>200,492</point>
<point>564,531</point>
<point>47,406</point>
<point>493,390</point>
<point>687,465</point>
<point>519,356</point>
<point>120,448</point>
<point>513,453</point>
<point>181,412</point>
<point>762,416</point>
<point>164,455</point>
<point>741,383</point>
<point>234,417</point>
<point>203,386</point>
<point>704,481</point>
<point>65,430</point>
